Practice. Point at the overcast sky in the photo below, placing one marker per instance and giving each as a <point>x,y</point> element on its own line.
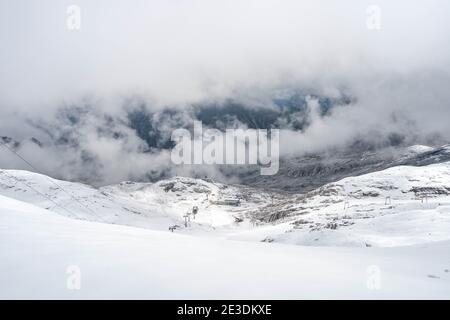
<point>186,49</point>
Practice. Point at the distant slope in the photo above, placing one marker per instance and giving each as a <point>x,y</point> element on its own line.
<point>306,173</point>
<point>80,201</point>
<point>402,205</point>
<point>37,247</point>
<point>152,206</point>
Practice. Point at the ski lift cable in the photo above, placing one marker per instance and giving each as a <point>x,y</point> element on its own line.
<point>51,180</point>
<point>43,195</point>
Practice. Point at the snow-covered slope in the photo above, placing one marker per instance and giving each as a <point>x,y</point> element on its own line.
<point>152,206</point>
<point>179,195</point>
<point>48,225</point>
<point>402,205</point>
<point>80,201</point>
<point>41,253</point>
<point>311,171</point>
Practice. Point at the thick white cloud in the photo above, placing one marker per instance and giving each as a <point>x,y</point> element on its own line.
<point>182,50</point>
<point>178,52</point>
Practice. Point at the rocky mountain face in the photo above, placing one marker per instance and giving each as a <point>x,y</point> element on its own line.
<point>14,144</point>
<point>306,173</point>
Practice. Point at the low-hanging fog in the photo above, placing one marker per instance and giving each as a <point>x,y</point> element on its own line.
<point>101,101</point>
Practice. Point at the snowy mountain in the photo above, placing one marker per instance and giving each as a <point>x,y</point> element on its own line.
<point>403,205</point>
<point>395,220</point>
<point>311,171</point>
<point>153,206</point>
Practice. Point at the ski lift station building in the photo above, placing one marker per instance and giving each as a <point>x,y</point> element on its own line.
<point>227,202</point>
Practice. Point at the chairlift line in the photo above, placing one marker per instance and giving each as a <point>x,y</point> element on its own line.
<point>43,195</point>
<point>52,181</point>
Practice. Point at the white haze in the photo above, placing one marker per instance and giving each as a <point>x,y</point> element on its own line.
<point>184,51</point>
